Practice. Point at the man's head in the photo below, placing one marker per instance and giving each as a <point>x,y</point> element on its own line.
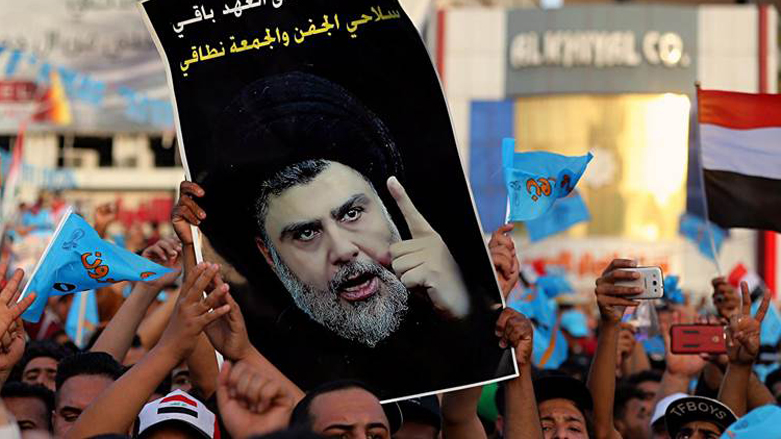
<point>697,417</point>
<point>80,379</point>
<point>31,405</point>
<point>39,363</point>
<point>632,409</point>
<point>564,405</point>
<point>646,381</point>
<point>347,409</point>
<point>327,234</point>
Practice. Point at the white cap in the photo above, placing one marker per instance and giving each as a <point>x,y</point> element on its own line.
<point>178,406</point>
<point>663,403</point>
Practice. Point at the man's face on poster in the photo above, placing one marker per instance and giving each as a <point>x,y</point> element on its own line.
<point>328,240</point>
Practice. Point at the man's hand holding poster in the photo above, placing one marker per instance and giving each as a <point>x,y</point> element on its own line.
<point>310,131</point>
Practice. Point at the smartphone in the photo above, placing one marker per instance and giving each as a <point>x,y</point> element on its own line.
<point>651,281</point>
<point>696,339</point>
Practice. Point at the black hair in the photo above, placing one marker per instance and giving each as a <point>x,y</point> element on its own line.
<point>88,363</point>
<point>38,349</point>
<point>301,416</point>
<point>16,389</point>
<point>772,378</point>
<point>624,393</point>
<point>643,376</point>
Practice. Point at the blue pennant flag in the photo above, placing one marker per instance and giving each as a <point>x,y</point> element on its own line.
<point>565,213</point>
<point>554,285</point>
<point>695,229</point>
<point>78,260</point>
<point>550,348</point>
<point>536,179</point>
<point>672,292</point>
<point>84,310</point>
<point>534,304</point>
<point>770,331</point>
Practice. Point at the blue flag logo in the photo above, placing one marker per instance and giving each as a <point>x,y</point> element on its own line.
<point>536,179</point>
<point>565,213</point>
<point>77,259</point>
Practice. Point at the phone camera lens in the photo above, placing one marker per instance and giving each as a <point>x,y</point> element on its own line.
<point>654,282</point>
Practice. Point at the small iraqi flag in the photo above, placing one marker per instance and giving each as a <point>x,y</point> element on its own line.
<point>740,141</point>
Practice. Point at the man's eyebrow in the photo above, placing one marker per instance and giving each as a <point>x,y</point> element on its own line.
<point>71,409</point>
<point>573,419</point>
<point>293,228</point>
<point>339,212</point>
<point>340,427</point>
<point>378,425</point>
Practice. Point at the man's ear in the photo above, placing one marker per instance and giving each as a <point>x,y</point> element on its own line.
<point>264,250</point>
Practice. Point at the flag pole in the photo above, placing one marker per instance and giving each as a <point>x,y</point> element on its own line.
<point>702,186</point>
<point>80,321</point>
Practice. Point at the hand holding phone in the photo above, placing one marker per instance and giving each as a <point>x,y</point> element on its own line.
<point>651,281</point>
<point>698,339</point>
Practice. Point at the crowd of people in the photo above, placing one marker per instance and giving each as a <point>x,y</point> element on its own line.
<point>150,370</point>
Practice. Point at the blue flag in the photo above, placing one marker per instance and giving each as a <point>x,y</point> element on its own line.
<point>770,331</point>
<point>554,285</point>
<point>534,304</point>
<point>565,213</point>
<point>536,179</point>
<point>550,348</point>
<point>88,315</point>
<point>672,292</point>
<point>78,260</point>
<point>695,229</point>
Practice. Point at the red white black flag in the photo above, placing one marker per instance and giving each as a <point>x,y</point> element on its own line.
<point>740,137</point>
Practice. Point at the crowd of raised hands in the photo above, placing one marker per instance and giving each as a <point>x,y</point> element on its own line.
<point>242,394</point>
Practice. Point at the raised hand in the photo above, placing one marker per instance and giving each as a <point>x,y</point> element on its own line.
<point>192,313</point>
<point>187,212</point>
<point>105,214</point>
<point>11,327</point>
<point>425,261</point>
<point>743,330</point>
<point>505,260</point>
<point>626,342</point>
<point>725,298</point>
<point>612,298</point>
<point>229,334</point>
<point>251,404</point>
<point>515,330</point>
<point>166,252</point>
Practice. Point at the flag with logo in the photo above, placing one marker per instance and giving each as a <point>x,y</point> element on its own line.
<point>77,259</point>
<point>536,179</point>
<point>534,304</point>
<point>565,213</point>
<point>695,229</point>
<point>740,144</point>
<point>82,317</point>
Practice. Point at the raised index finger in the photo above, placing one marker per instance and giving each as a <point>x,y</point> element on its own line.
<point>763,308</point>
<point>418,226</point>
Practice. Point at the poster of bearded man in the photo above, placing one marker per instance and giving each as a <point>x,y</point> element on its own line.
<point>334,195</point>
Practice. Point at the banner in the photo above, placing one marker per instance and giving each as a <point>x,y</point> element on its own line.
<point>313,128</point>
<point>103,54</point>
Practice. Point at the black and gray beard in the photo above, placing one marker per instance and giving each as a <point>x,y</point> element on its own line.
<point>368,321</point>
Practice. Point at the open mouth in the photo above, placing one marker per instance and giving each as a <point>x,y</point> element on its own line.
<point>359,287</point>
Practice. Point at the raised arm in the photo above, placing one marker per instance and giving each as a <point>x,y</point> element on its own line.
<point>11,326</point>
<point>505,260</point>
<point>118,335</point>
<point>117,407</point>
<point>521,418</point>
<point>743,343</point>
<point>612,300</point>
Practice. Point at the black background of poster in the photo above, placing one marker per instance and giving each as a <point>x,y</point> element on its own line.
<point>388,68</point>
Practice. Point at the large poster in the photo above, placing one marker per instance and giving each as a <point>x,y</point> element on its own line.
<point>335,196</point>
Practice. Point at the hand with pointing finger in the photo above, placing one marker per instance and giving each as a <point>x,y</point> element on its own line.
<point>425,260</point>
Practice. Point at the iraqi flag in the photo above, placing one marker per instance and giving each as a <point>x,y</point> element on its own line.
<point>740,140</point>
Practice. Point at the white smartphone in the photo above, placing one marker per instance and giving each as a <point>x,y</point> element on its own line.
<point>651,281</point>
